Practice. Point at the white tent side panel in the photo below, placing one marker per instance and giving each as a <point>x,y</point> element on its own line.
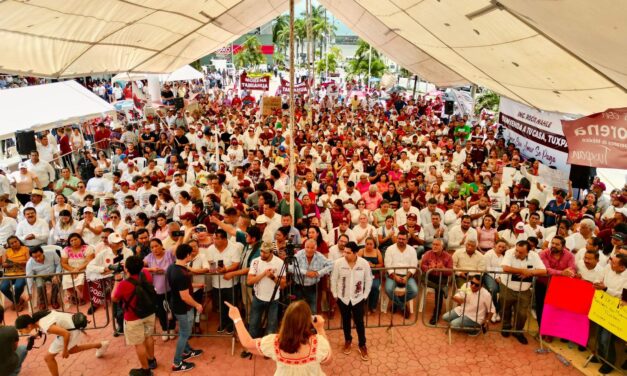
<point>48,106</point>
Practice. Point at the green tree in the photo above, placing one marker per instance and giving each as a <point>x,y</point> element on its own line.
<point>334,57</point>
<point>488,100</point>
<point>358,66</point>
<point>250,54</point>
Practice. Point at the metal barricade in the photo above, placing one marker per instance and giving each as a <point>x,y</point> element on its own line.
<point>514,301</point>
<point>61,302</point>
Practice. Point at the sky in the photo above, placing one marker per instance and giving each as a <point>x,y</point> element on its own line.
<point>341,28</point>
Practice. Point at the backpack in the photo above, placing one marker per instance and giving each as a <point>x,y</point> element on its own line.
<point>145,297</point>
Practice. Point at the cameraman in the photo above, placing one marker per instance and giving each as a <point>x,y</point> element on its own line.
<point>66,340</point>
<point>100,271</point>
<point>137,330</point>
<point>12,355</point>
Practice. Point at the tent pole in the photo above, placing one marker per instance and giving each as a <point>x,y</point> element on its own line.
<point>369,64</point>
<point>291,144</point>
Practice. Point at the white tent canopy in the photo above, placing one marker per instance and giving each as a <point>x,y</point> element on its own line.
<point>48,106</point>
<point>561,55</point>
<point>185,73</point>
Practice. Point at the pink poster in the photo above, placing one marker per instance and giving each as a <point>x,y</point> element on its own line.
<point>565,324</point>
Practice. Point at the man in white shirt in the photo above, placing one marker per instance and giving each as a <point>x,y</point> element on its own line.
<point>396,256</point>
<point>32,231</point>
<point>577,240</point>
<point>178,186</point>
<point>226,255</point>
<point>589,268</point>
<point>8,226</point>
<point>273,221</point>
<point>467,259</point>
<point>44,210</point>
<point>515,288</point>
<point>425,213</point>
<point>349,196</point>
<point>614,283</point>
<point>407,209</point>
<point>533,228</point>
<point>478,211</point>
<point>337,251</point>
<point>43,170</point>
<point>98,185</point>
<point>459,235</point>
<point>351,281</point>
<point>475,306</point>
<point>264,276</point>
<point>47,151</point>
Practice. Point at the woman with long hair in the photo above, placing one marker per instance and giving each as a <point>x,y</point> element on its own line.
<point>487,234</point>
<point>104,163</point>
<point>157,263</point>
<point>63,227</point>
<point>74,259</point>
<point>60,204</point>
<point>391,194</point>
<point>310,210</point>
<point>295,349</point>
<point>183,206</point>
<point>14,259</point>
<point>61,327</point>
<point>164,203</point>
<point>339,213</point>
<point>160,231</point>
<point>375,259</point>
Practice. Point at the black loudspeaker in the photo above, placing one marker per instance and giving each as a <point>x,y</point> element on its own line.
<point>178,103</point>
<point>25,142</point>
<point>582,176</point>
<point>449,107</point>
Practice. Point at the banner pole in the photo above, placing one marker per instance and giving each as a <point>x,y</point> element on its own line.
<point>291,101</point>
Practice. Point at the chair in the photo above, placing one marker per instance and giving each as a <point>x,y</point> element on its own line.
<point>161,162</point>
<point>52,247</point>
<point>49,196</point>
<point>140,162</point>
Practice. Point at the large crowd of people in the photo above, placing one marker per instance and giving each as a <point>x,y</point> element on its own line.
<point>201,201</point>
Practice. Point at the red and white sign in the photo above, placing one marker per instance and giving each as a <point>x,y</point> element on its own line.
<point>254,83</point>
<point>299,88</point>
<point>598,140</point>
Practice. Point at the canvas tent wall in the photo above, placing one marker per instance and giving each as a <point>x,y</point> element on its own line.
<point>561,55</point>
<point>48,106</point>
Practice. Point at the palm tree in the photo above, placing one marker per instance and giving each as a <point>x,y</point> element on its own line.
<point>488,100</point>
<point>359,65</point>
<point>300,35</point>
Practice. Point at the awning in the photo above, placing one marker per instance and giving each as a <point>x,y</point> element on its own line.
<point>48,106</point>
<point>185,73</point>
<point>561,55</point>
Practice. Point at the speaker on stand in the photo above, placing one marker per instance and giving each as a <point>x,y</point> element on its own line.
<point>449,107</point>
<point>25,142</point>
<point>582,177</point>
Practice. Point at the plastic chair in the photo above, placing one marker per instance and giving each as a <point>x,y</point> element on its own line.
<point>49,196</point>
<point>140,162</point>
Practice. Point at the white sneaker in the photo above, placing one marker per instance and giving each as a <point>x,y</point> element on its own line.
<point>165,338</point>
<point>496,318</point>
<point>104,345</point>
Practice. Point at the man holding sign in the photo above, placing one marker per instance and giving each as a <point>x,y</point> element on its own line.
<point>613,283</point>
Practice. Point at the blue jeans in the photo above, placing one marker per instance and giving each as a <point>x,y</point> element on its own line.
<point>307,293</point>
<point>373,297</point>
<point>258,307</point>
<point>185,331</point>
<point>492,286</point>
<point>410,292</point>
<point>21,354</point>
<point>459,322</point>
<point>18,286</point>
<point>606,345</point>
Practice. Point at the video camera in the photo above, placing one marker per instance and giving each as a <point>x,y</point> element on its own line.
<point>116,267</point>
<point>291,247</point>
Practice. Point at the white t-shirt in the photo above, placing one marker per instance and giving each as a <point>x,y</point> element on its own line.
<point>61,319</point>
<point>265,287</point>
<point>230,255</point>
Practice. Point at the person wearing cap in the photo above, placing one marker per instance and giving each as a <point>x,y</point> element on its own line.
<point>533,206</point>
<point>351,282</point>
<point>24,182</point>
<point>598,188</point>
<point>99,272</point>
<point>90,227</point>
<point>44,211</point>
<point>43,170</point>
<point>107,207</point>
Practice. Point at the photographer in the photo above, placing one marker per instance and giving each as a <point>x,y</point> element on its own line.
<point>12,355</point>
<point>135,294</point>
<point>180,281</point>
<point>66,340</point>
<point>101,269</point>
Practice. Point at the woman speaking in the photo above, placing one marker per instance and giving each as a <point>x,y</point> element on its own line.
<point>296,349</point>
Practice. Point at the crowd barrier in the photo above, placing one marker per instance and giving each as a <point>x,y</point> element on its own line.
<point>46,292</point>
<point>514,307</point>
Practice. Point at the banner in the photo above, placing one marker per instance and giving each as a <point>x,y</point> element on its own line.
<point>269,105</point>
<point>598,140</point>
<point>537,134</point>
<point>299,88</point>
<point>565,315</point>
<point>254,83</point>
<point>609,312</point>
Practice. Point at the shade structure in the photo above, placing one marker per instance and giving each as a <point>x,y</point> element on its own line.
<point>185,73</point>
<point>560,55</point>
<point>48,106</point>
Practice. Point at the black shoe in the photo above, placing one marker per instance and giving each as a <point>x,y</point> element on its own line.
<point>140,372</point>
<point>581,348</point>
<point>228,331</point>
<point>183,367</point>
<point>433,321</point>
<point>192,354</point>
<point>594,359</point>
<point>505,334</point>
<point>91,310</point>
<point>152,363</point>
<point>605,368</point>
<point>221,329</point>
<point>246,354</point>
<point>521,338</point>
